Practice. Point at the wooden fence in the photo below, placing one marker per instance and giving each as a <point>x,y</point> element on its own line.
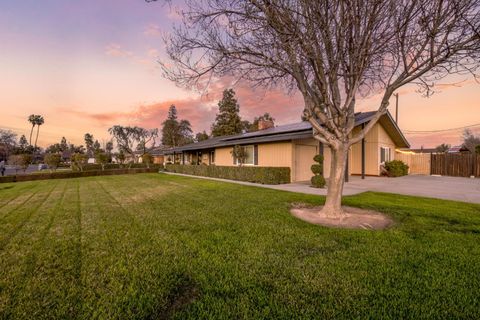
<point>419,163</point>
<point>455,164</point>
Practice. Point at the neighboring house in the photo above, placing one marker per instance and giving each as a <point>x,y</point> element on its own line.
<point>156,152</point>
<point>293,146</point>
<point>458,149</point>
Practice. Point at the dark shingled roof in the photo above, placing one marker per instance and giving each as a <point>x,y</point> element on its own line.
<point>298,130</point>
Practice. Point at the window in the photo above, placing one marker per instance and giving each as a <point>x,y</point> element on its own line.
<point>385,154</point>
<point>249,156</point>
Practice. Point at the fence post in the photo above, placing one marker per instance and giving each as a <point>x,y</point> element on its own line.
<point>431,163</point>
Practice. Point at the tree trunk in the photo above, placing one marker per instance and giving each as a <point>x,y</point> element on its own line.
<point>38,129</point>
<point>333,203</point>
<point>31,132</point>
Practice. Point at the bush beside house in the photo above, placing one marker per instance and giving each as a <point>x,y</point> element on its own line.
<point>264,175</point>
<point>396,168</point>
<point>317,181</point>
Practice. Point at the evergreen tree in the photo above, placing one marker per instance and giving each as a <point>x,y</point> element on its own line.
<point>201,136</point>
<point>23,143</point>
<point>227,121</point>
<point>63,144</point>
<point>174,132</point>
<point>89,144</point>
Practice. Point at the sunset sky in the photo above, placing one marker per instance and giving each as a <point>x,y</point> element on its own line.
<point>87,65</point>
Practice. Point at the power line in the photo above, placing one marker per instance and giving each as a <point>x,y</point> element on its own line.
<point>442,130</point>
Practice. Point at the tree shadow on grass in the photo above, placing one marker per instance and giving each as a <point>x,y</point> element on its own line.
<point>184,292</point>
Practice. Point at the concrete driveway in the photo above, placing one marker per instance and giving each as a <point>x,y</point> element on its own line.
<point>449,188</point>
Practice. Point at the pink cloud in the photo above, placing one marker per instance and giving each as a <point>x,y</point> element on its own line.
<point>152,30</point>
<point>115,50</point>
<point>201,110</point>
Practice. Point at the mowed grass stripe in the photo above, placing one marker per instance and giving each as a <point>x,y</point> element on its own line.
<point>108,259</point>
<point>26,256</point>
<point>15,222</point>
<point>12,191</point>
<point>16,203</point>
<point>142,273</point>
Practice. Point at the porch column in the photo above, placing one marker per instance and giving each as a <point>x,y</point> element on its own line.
<point>363,154</point>
<point>183,158</point>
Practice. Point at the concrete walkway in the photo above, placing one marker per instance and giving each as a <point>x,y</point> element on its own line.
<point>448,188</point>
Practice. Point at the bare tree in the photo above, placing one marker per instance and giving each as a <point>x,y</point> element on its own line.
<point>332,52</point>
<point>130,139</point>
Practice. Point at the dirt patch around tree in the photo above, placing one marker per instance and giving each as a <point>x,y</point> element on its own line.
<point>354,218</point>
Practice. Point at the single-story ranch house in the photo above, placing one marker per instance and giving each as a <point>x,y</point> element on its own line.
<point>293,146</point>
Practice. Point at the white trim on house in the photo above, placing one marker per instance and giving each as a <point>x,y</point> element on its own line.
<point>388,155</point>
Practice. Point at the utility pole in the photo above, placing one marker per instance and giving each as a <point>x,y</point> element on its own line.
<point>396,107</point>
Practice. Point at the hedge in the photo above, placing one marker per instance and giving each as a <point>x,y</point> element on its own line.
<point>264,175</point>
<point>72,174</point>
<point>96,166</point>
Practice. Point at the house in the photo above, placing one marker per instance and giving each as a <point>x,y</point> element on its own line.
<point>293,146</point>
<point>458,149</point>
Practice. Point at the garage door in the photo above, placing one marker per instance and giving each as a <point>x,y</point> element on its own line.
<point>303,161</point>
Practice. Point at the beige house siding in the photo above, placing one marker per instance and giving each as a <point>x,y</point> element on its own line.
<point>377,137</point>
<point>371,153</point>
<point>223,156</point>
<point>384,140</point>
<point>277,154</point>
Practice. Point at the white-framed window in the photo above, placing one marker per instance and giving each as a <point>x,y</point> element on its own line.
<point>250,156</point>
<point>385,154</point>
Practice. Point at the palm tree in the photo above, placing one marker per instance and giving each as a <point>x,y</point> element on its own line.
<point>32,119</point>
<point>38,121</point>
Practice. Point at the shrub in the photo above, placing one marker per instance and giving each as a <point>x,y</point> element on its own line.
<point>53,160</point>
<point>317,168</point>
<point>318,158</point>
<point>73,174</point>
<point>396,168</point>
<point>264,175</point>
<point>102,159</point>
<point>79,160</point>
<point>147,159</point>
<point>20,161</point>
<point>317,181</point>
<point>110,166</point>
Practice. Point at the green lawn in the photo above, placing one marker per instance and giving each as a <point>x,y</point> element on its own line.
<point>154,246</point>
